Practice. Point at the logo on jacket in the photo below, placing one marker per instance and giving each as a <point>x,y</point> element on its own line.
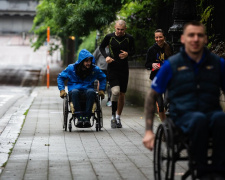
<point>181,68</point>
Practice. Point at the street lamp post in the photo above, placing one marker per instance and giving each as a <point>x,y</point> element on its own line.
<point>183,12</point>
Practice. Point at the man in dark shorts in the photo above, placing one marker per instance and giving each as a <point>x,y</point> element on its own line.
<point>121,45</point>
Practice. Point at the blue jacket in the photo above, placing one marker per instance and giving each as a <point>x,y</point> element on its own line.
<point>75,82</point>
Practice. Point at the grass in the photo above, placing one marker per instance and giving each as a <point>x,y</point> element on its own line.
<point>11,149</point>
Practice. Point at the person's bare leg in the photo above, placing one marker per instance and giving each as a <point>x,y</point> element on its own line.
<point>121,101</point>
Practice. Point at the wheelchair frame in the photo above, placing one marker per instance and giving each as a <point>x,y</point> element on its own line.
<point>95,116</point>
<point>169,142</point>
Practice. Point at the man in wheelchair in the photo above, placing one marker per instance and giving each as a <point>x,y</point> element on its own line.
<point>81,76</point>
<point>194,78</point>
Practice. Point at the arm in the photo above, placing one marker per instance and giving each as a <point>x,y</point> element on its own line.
<point>61,78</point>
<point>131,49</point>
<point>102,80</point>
<point>150,57</point>
<point>105,42</point>
<point>159,85</point>
<point>150,101</point>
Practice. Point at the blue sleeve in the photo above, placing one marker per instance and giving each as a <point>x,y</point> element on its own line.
<point>102,79</point>
<point>223,74</point>
<point>162,78</point>
<point>61,78</point>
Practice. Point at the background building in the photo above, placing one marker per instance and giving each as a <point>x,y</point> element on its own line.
<point>16,16</point>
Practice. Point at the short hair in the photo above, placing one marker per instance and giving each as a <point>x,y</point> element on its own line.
<point>194,23</point>
<point>159,30</point>
<point>121,22</point>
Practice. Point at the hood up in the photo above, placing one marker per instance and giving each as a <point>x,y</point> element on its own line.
<point>83,55</point>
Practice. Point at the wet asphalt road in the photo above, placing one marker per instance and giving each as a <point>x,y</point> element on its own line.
<point>20,71</point>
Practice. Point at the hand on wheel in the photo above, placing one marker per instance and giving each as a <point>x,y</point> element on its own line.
<point>63,93</point>
<point>101,94</point>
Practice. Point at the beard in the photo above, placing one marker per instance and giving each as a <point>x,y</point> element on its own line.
<point>86,67</point>
<point>83,71</point>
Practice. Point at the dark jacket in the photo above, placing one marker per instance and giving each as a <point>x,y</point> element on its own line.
<point>188,91</point>
<point>156,54</point>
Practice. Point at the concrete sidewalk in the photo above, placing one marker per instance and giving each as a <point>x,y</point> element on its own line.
<point>45,151</point>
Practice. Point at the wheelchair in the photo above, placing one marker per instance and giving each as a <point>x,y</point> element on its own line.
<point>96,116</point>
<point>171,146</point>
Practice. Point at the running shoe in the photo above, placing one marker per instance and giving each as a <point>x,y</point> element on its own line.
<point>109,104</point>
<point>113,122</point>
<point>118,123</point>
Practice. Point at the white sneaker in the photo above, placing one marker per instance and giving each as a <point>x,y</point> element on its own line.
<point>109,104</point>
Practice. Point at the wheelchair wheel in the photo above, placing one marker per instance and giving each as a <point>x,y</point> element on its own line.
<point>65,113</point>
<point>164,162</point>
<point>70,127</point>
<point>99,120</point>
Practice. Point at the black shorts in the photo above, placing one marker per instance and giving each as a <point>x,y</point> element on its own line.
<point>120,79</point>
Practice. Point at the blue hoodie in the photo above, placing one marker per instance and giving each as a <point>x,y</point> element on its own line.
<point>75,82</point>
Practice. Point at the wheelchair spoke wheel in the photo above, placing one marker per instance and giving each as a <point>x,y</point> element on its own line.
<point>99,120</point>
<point>163,154</point>
<point>70,126</point>
<point>65,113</point>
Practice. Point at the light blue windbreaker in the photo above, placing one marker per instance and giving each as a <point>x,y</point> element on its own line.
<point>75,82</point>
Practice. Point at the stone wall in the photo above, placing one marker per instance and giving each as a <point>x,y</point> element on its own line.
<point>139,84</point>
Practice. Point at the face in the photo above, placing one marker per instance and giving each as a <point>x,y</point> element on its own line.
<point>87,63</point>
<point>159,39</point>
<point>194,39</point>
<point>120,30</point>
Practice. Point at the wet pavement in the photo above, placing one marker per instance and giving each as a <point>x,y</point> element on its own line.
<point>44,150</point>
<point>14,103</point>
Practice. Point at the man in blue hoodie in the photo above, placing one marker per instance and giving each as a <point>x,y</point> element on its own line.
<point>81,76</point>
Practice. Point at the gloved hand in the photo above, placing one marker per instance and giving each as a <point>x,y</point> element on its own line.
<point>101,94</point>
<point>63,93</point>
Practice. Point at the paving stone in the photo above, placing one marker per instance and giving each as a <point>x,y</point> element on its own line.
<point>44,151</point>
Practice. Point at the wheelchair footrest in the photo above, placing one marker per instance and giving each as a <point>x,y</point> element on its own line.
<point>82,124</point>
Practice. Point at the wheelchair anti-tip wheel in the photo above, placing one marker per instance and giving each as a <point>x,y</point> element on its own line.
<point>65,112</point>
<point>164,162</point>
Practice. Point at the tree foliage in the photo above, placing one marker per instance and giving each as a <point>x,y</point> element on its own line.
<point>88,42</point>
<point>72,17</point>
